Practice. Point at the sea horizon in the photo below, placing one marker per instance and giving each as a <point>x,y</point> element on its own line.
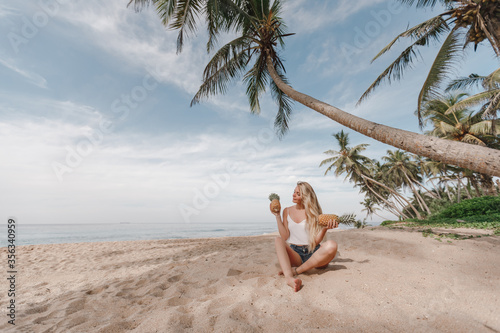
<point>60,233</point>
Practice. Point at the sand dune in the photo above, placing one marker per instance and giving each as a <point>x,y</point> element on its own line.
<point>381,281</point>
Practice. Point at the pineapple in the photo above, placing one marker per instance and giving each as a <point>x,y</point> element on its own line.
<point>347,219</point>
<point>324,218</point>
<point>275,202</point>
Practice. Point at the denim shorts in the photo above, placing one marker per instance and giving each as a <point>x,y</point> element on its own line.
<point>302,250</point>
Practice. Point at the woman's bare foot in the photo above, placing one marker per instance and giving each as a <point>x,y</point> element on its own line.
<point>296,284</point>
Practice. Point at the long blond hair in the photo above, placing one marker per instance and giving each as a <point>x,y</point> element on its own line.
<point>313,210</point>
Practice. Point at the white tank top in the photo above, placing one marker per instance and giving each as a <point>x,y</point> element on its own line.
<point>298,232</point>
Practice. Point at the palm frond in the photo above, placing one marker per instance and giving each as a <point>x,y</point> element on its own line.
<point>444,128</point>
<point>473,100</point>
<point>465,82</point>
<point>185,16</point>
<point>472,139</point>
<point>493,107</point>
<point>425,3</point>
<point>405,59</point>
<point>256,79</point>
<point>440,69</point>
<point>493,80</point>
<point>485,127</point>
<point>140,4</point>
<point>431,28</point>
<point>227,64</point>
<point>284,105</point>
<point>342,139</point>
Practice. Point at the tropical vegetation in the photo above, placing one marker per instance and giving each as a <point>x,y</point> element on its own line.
<point>254,56</point>
<point>463,22</point>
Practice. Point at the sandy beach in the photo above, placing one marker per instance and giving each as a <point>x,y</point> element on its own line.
<point>382,280</point>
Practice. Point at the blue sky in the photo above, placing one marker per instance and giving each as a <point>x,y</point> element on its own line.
<point>96,127</point>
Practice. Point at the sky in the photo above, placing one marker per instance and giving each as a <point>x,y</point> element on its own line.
<point>96,124</point>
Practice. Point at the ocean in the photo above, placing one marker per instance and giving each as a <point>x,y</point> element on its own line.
<point>33,234</point>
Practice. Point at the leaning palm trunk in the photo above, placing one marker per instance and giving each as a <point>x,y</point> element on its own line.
<point>387,203</point>
<point>476,187</point>
<point>466,188</point>
<point>396,194</point>
<point>487,184</point>
<point>423,205</point>
<point>435,189</point>
<point>425,188</point>
<point>481,159</point>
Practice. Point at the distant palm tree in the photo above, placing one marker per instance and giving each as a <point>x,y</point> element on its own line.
<point>424,173</point>
<point>370,208</point>
<point>260,31</point>
<point>489,98</point>
<point>460,124</point>
<point>400,167</point>
<point>463,22</point>
<point>349,161</point>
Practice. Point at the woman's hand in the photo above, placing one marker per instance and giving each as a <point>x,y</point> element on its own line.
<point>332,224</point>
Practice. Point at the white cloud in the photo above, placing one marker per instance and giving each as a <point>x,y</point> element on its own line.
<point>139,39</point>
<point>305,16</point>
<point>32,77</point>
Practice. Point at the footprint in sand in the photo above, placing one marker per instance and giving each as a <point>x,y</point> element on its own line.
<point>77,321</point>
<point>233,272</point>
<point>174,278</point>
<point>96,290</point>
<point>75,306</point>
<point>38,309</point>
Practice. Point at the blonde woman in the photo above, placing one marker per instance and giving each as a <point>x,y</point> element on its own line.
<point>298,246</point>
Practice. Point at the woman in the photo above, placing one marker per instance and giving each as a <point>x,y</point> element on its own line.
<point>301,230</point>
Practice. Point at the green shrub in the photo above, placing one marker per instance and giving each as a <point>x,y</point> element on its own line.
<point>472,207</point>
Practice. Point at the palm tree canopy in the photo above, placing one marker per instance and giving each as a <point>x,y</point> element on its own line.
<point>347,160</point>
<point>261,32</point>
<point>254,55</point>
<point>463,22</point>
<point>459,123</point>
<point>490,96</point>
<point>400,166</point>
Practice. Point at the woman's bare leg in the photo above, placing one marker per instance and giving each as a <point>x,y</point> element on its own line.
<point>320,258</point>
<point>285,263</point>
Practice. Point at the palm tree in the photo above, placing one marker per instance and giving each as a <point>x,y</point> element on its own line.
<point>370,207</point>
<point>357,168</point>
<point>260,31</point>
<point>490,96</point>
<point>424,173</point>
<point>460,124</point>
<point>404,171</point>
<point>463,22</point>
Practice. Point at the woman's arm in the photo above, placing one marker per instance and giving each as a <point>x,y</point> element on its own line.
<point>320,235</point>
<point>282,224</point>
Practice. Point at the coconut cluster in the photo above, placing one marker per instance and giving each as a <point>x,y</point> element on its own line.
<point>468,16</point>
